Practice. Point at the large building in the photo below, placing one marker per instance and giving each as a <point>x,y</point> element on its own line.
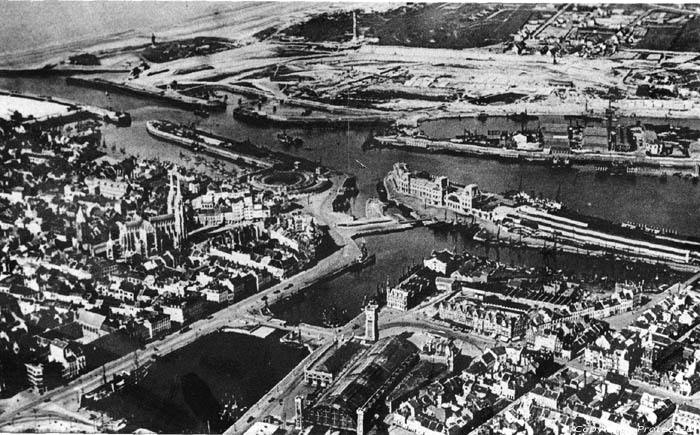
<point>113,189</point>
<point>438,191</point>
<point>687,419</point>
<point>351,400</point>
<point>431,190</point>
<point>491,316</point>
<point>148,236</point>
<point>325,368</point>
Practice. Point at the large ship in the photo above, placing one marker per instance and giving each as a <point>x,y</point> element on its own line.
<point>260,117</point>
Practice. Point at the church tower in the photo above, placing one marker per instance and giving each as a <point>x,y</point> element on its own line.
<point>80,225</point>
<point>176,208</point>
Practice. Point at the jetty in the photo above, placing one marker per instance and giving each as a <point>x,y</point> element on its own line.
<point>169,96</point>
<point>194,140</point>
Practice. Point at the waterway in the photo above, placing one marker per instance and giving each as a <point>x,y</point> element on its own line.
<point>342,298</point>
<point>184,390</point>
<point>674,203</point>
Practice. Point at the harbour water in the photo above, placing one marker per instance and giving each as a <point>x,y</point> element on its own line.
<point>339,300</point>
<point>672,204</point>
<point>246,366</point>
<point>185,390</point>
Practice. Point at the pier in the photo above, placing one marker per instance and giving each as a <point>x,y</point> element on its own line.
<point>44,110</point>
<point>169,96</point>
<point>170,132</point>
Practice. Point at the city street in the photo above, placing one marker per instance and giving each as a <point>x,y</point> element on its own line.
<point>67,396</point>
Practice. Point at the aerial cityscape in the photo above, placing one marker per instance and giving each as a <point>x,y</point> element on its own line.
<point>268,218</point>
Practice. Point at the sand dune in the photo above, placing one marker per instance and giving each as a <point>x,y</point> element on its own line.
<point>239,21</point>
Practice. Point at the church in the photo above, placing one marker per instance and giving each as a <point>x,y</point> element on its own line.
<point>144,236</point>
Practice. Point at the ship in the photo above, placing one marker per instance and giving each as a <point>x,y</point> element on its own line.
<point>522,117</point>
<point>259,117</point>
<point>364,259</point>
<point>288,140</point>
<point>230,410</point>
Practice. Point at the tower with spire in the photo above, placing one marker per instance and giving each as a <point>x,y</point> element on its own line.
<point>176,207</point>
<point>80,225</point>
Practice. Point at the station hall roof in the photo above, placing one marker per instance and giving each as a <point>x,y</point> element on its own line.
<point>366,376</point>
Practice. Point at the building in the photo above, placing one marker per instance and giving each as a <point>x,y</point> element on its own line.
<point>92,325</point>
<point>328,365</point>
<point>687,418</point>
<point>69,355</point>
<point>147,237</point>
<point>443,262</point>
<point>617,352</point>
<point>492,316</point>
<point>371,322</point>
<point>35,376</point>
<point>113,189</point>
<point>409,292</point>
<point>351,400</point>
<point>430,189</point>
<point>156,324</point>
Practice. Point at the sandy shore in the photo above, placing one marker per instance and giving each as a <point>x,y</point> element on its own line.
<point>237,21</point>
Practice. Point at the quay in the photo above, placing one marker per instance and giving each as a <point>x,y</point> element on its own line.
<point>264,118</point>
<point>171,97</point>
<point>170,132</point>
<point>544,157</point>
<point>55,111</point>
<point>59,70</point>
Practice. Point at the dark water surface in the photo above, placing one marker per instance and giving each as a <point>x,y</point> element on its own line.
<point>246,366</point>
<point>185,389</point>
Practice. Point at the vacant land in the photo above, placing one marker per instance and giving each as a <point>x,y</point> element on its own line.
<point>424,25</point>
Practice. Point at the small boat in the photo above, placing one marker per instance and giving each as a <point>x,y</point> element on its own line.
<point>522,117</point>
<point>201,113</point>
<point>482,116</point>
<point>288,140</point>
<point>363,260</point>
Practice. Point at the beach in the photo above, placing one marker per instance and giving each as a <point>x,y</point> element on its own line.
<point>37,34</point>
